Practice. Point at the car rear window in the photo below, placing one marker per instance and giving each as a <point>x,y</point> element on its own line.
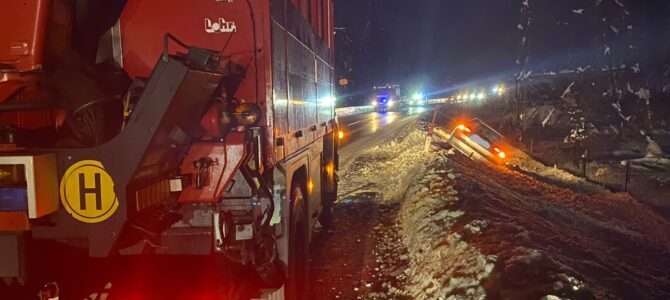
<point>480,141</point>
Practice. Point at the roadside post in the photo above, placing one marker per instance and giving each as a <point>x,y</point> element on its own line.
<point>585,160</point>
<point>429,138</point>
<point>429,134</point>
<point>627,180</point>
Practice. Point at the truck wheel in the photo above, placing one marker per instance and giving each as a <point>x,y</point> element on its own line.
<point>329,198</point>
<point>297,285</point>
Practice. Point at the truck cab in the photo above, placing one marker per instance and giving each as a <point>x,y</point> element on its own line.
<point>384,103</point>
<point>387,98</point>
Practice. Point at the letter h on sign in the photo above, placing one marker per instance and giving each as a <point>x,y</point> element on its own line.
<point>96,190</point>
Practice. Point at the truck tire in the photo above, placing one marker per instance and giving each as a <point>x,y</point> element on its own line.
<point>326,218</point>
<point>297,285</point>
<point>329,184</point>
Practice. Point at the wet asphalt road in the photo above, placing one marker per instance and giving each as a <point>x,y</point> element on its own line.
<point>368,130</point>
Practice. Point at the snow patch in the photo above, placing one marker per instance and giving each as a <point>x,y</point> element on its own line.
<point>387,169</point>
<point>527,164</point>
<point>477,226</point>
<point>442,264</point>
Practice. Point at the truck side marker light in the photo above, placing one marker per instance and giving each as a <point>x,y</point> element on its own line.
<point>330,169</point>
<point>87,192</point>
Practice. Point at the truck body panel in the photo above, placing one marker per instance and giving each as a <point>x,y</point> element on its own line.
<point>226,105</point>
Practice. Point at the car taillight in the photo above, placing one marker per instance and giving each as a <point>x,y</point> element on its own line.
<point>501,154</point>
<point>463,128</point>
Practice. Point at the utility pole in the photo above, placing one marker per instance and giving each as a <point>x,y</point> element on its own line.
<point>523,60</point>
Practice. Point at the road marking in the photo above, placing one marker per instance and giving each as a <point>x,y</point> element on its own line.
<point>372,117</point>
<point>354,123</point>
<point>87,192</point>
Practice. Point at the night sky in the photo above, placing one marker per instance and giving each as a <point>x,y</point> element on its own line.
<point>429,44</point>
<point>436,45</point>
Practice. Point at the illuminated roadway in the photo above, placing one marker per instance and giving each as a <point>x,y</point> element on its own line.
<point>368,130</point>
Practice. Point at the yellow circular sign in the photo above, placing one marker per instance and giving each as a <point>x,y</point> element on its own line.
<point>87,192</point>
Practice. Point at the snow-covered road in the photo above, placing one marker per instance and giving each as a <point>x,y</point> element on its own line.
<point>365,131</point>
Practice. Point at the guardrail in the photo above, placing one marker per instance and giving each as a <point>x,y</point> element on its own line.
<point>353,110</point>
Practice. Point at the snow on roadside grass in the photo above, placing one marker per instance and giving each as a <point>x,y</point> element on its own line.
<point>553,240</point>
<point>442,264</point>
<point>446,259</point>
<point>527,164</point>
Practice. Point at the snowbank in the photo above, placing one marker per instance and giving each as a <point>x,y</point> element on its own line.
<point>553,174</point>
<point>442,264</point>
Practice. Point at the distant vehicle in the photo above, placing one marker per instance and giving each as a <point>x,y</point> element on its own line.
<point>418,99</point>
<point>476,140</point>
<point>384,103</point>
<point>386,98</point>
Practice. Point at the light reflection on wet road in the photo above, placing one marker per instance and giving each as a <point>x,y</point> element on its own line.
<point>371,129</point>
<point>358,126</point>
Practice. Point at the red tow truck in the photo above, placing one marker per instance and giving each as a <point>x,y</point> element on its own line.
<point>167,127</point>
